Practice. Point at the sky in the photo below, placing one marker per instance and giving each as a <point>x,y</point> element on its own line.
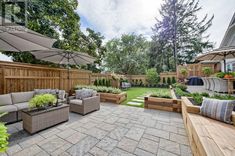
<point>115,17</point>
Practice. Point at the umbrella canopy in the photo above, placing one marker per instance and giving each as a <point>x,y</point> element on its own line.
<point>60,56</point>
<point>218,54</point>
<point>17,38</point>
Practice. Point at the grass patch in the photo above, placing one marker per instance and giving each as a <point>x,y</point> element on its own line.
<point>134,92</point>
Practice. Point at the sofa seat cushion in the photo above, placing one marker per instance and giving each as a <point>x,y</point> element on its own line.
<point>21,97</point>
<point>23,105</point>
<point>5,99</point>
<point>61,100</point>
<point>76,102</point>
<point>8,108</point>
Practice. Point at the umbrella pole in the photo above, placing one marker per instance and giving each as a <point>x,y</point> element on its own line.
<point>68,76</point>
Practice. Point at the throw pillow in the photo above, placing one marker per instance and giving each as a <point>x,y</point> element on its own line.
<point>217,109</point>
<point>78,94</point>
<point>61,94</point>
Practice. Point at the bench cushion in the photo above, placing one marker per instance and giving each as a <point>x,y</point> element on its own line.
<point>21,97</point>
<point>217,109</point>
<point>21,106</point>
<point>8,108</point>
<point>5,99</point>
<point>76,102</point>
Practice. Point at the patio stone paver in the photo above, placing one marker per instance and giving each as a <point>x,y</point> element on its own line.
<point>148,145</point>
<point>107,144</point>
<point>170,146</point>
<point>140,152</point>
<point>128,145</point>
<point>114,130</point>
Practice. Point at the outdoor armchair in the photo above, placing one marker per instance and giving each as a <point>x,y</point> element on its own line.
<point>84,105</point>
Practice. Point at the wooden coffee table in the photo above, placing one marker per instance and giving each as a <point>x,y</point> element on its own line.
<point>34,121</point>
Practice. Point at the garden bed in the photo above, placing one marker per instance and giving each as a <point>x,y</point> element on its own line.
<point>115,98</point>
<point>160,103</point>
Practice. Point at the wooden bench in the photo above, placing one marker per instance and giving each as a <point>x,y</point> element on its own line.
<point>207,137</point>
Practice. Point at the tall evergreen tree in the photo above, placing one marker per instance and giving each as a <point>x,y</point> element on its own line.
<point>178,36</point>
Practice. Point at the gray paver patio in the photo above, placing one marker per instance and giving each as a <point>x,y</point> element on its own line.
<point>113,130</point>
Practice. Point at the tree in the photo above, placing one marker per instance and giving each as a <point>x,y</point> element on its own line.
<point>178,36</point>
<point>127,54</point>
<point>58,19</point>
<point>152,76</point>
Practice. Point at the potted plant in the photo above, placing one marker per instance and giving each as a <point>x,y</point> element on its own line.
<point>42,101</point>
<point>228,76</point>
<point>3,136</point>
<point>184,72</point>
<point>207,71</point>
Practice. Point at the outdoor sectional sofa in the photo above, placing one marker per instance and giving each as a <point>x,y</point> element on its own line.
<point>14,103</point>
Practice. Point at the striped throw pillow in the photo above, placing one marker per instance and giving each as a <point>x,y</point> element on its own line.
<point>217,109</point>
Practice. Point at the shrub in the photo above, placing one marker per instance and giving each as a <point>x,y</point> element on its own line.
<point>104,82</point>
<point>95,82</point>
<point>102,89</point>
<point>180,92</point>
<point>183,87</point>
<point>184,72</point>
<point>152,76</point>
<point>136,82</point>
<point>108,83</point>
<point>207,71</point>
<point>173,80</point>
<point>141,82</point>
<point>164,80</point>
<point>42,100</point>
<point>223,97</point>
<point>220,75</point>
<point>198,97</point>
<point>161,94</point>
<point>3,136</point>
<point>169,81</point>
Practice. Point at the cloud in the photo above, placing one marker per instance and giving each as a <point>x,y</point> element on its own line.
<point>115,17</point>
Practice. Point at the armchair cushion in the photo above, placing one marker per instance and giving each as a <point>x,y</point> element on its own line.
<point>5,99</point>
<point>76,102</point>
<point>85,93</point>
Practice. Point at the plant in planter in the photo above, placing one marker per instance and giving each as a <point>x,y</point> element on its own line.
<point>183,87</point>
<point>42,101</point>
<point>161,94</point>
<point>184,72</point>
<point>169,81</point>
<point>228,76</point>
<point>207,71</point>
<point>3,136</point>
<point>164,80</point>
<point>220,75</point>
<point>173,80</point>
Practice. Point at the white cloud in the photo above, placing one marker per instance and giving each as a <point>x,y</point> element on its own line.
<point>115,17</point>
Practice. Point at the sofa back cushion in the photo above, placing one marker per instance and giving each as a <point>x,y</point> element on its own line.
<point>46,91</point>
<point>21,97</point>
<point>84,93</point>
<point>217,109</point>
<point>5,99</point>
<point>61,94</point>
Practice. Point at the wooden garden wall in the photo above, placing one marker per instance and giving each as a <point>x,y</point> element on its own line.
<point>16,77</point>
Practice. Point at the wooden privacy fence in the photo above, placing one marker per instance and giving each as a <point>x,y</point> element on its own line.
<point>17,77</point>
<point>196,69</point>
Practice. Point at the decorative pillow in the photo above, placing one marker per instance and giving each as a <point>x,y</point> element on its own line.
<point>94,93</point>
<point>78,94</point>
<point>86,93</point>
<point>61,94</point>
<point>217,109</point>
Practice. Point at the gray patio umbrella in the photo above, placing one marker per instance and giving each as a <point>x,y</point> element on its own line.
<point>17,38</point>
<point>64,57</point>
<point>218,54</point>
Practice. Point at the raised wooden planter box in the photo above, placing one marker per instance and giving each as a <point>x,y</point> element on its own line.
<point>207,136</point>
<point>116,98</point>
<point>34,121</point>
<point>172,105</point>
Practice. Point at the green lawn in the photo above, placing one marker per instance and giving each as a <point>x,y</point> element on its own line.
<point>134,92</point>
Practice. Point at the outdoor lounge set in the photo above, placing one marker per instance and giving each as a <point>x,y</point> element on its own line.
<point>215,84</point>
<point>17,107</point>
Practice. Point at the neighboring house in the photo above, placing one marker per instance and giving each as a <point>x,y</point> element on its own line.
<point>229,42</point>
